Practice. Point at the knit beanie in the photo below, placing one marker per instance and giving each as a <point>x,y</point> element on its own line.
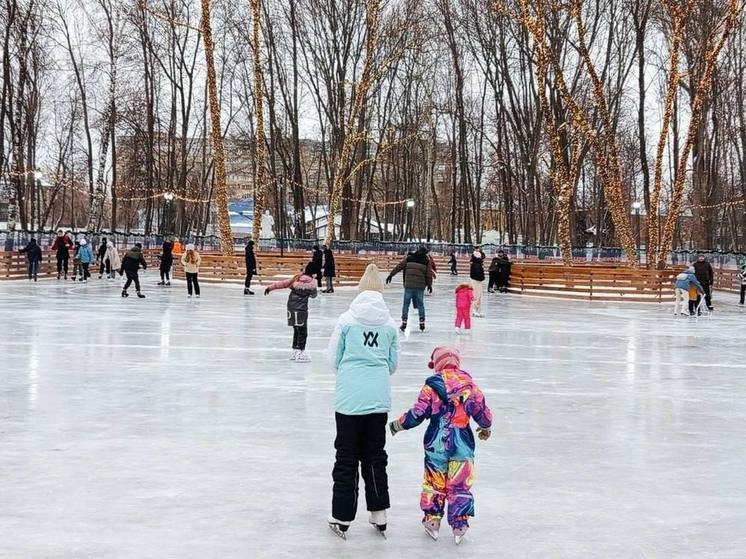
<point>444,357</point>
<point>371,280</point>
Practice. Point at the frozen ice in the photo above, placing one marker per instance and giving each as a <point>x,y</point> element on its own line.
<point>168,427</point>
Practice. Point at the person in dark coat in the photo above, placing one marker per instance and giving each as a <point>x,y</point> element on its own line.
<point>250,268</point>
<point>329,269</point>
<point>454,263</point>
<point>317,261</point>
<point>503,272</point>
<point>33,254</point>
<point>705,276</point>
<point>494,266</point>
<point>418,276</point>
<point>167,261</point>
<point>62,244</point>
<point>101,259</point>
<point>131,264</point>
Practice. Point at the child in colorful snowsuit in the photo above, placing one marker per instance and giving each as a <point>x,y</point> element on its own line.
<point>302,287</point>
<point>450,399</point>
<point>464,300</point>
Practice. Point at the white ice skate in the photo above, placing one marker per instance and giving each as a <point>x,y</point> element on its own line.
<point>378,521</point>
<point>339,527</point>
<point>303,357</point>
<point>432,527</point>
<point>294,356</point>
<point>459,533</point>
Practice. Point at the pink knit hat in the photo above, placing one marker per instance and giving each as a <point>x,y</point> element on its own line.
<point>444,357</point>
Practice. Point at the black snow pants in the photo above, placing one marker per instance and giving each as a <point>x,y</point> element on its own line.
<point>360,446</point>
<point>132,276</point>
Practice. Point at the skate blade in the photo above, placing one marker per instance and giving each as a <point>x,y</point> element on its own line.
<point>377,529</point>
<point>432,534</point>
<point>334,528</point>
<point>458,539</point>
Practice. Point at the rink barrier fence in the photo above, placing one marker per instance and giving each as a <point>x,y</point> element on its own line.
<point>214,267</point>
<point>587,282</point>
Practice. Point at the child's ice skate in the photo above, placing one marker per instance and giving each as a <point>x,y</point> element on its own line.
<point>378,521</point>
<point>422,325</point>
<point>403,326</point>
<point>432,526</point>
<point>294,356</point>
<point>339,527</point>
<point>459,533</point>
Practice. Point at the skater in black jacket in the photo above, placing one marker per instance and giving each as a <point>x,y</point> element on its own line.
<point>131,263</point>
<point>317,261</point>
<point>250,268</point>
<point>167,261</point>
<point>101,259</point>
<point>330,269</point>
<point>33,254</point>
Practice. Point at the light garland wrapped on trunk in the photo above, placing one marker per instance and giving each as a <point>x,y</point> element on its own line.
<point>259,147</point>
<point>221,187</point>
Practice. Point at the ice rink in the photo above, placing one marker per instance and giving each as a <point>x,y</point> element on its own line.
<point>168,427</point>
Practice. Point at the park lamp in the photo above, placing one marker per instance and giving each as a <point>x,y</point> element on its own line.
<point>168,196</point>
<point>636,205</point>
<point>410,204</point>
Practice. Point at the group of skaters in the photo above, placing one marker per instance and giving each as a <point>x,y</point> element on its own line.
<point>694,285</point>
<point>110,263</point>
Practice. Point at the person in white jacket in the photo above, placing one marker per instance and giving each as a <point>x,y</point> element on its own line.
<point>364,351</point>
<point>112,257</point>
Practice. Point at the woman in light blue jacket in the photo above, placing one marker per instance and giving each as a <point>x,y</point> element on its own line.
<point>364,351</point>
<point>85,255</point>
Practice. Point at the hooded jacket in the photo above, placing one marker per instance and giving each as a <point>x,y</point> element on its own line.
<point>364,350</point>
<point>85,254</point>
<point>742,276</point>
<point>101,252</point>
<point>464,296</point>
<point>418,274</point>
<point>301,290</point>
<point>33,251</point>
<point>133,260</point>
<point>449,399</point>
<point>685,278</point>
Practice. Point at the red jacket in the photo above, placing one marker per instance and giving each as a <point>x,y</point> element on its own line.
<point>464,296</point>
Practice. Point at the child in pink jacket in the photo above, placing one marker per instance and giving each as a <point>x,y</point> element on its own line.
<point>464,299</point>
<point>302,287</point>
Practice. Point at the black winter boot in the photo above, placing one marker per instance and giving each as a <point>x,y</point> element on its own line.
<point>140,295</point>
<point>125,294</point>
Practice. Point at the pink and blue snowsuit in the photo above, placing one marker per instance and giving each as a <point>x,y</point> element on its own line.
<point>450,398</point>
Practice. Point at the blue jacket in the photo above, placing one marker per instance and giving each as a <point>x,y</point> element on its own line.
<point>364,350</point>
<point>685,278</point>
<point>85,254</point>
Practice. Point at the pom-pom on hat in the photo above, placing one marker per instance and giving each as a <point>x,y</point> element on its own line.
<point>444,357</point>
<point>371,280</point>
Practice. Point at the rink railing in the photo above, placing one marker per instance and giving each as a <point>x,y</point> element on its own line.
<point>214,267</point>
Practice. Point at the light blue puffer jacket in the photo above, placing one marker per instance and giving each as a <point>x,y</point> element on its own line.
<point>364,350</point>
<point>685,278</point>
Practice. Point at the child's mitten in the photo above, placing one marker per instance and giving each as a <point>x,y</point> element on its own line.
<point>483,434</point>
<point>395,427</point>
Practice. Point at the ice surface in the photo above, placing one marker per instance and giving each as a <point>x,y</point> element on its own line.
<point>168,427</point>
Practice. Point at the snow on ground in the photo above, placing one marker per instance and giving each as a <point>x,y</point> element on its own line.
<point>168,427</point>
